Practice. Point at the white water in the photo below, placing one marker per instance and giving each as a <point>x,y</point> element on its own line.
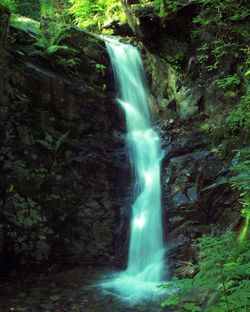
<point>146,252</point>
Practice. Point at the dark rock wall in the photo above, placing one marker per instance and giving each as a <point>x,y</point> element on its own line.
<point>62,154</point>
<point>189,108</point>
<point>66,185</point>
<point>197,196</point>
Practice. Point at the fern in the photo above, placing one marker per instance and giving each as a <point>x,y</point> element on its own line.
<point>10,4</point>
<point>223,268</point>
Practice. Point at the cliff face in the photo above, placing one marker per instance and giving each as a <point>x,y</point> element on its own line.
<point>61,152</point>
<point>197,196</point>
<point>190,109</point>
<point>66,186</point>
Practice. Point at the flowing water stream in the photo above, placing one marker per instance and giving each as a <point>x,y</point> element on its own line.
<point>146,252</point>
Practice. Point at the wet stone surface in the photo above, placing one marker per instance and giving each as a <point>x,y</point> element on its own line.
<point>71,289</point>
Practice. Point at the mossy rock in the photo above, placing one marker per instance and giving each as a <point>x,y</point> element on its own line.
<point>91,45</point>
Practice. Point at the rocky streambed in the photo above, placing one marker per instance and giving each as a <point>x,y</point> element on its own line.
<point>69,289</point>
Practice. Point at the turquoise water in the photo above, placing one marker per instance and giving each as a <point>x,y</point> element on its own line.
<point>146,251</point>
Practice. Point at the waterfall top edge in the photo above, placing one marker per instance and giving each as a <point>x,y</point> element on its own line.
<point>116,40</point>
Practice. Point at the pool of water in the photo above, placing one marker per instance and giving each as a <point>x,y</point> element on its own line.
<point>69,289</point>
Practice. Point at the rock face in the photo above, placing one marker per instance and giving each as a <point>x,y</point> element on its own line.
<point>189,108</point>
<point>61,153</point>
<point>65,184</point>
<point>198,199</point>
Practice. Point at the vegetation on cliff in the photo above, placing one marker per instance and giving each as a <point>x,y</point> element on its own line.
<point>220,277</point>
<point>223,262</point>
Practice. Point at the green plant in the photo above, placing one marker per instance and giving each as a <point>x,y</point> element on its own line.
<point>159,7</point>
<point>54,49</point>
<point>47,7</point>
<point>54,18</point>
<point>28,8</point>
<point>241,180</point>
<point>10,4</point>
<point>163,8</point>
<point>51,144</point>
<point>101,68</point>
<point>25,212</point>
<point>228,81</point>
<point>223,272</point>
<point>68,63</point>
<point>226,36</point>
<point>92,14</point>
<point>49,35</point>
<point>63,55</point>
<point>239,118</point>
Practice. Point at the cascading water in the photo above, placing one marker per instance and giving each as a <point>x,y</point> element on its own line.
<point>145,261</point>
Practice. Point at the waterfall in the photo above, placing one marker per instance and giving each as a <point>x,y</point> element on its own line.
<point>145,259</point>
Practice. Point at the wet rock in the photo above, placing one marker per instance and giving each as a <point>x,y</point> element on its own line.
<point>179,199</point>
<point>192,194</point>
<point>212,99</point>
<point>22,36</point>
<point>197,196</point>
<point>188,101</point>
<point>63,152</point>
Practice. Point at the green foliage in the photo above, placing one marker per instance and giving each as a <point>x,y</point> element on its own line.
<point>28,8</point>
<point>241,181</point>
<point>223,270</point>
<point>51,144</point>
<point>54,49</point>
<point>163,8</point>
<point>28,211</point>
<point>10,4</point>
<point>68,63</point>
<point>92,14</point>
<point>228,81</point>
<point>102,68</point>
<point>239,118</point>
<point>222,20</point>
<point>63,55</point>
<point>159,6</point>
<point>47,7</point>
<point>54,18</point>
<point>227,10</point>
<point>223,31</point>
<point>236,123</point>
<point>229,84</point>
<point>51,35</point>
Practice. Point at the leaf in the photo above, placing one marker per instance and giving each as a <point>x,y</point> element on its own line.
<point>174,300</point>
<point>190,307</point>
<point>45,144</point>
<point>49,138</point>
<point>247,73</point>
<point>61,141</point>
<point>53,49</point>
<point>31,202</point>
